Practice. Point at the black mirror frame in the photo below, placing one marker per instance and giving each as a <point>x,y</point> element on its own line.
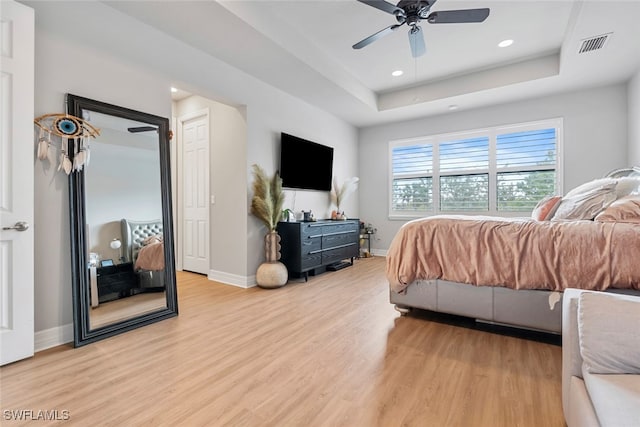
<point>82,334</point>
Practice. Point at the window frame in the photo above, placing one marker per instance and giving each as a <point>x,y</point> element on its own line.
<point>492,170</point>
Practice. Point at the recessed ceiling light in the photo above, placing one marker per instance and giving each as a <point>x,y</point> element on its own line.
<point>505,43</point>
<point>397,73</point>
<point>174,90</point>
<point>453,107</point>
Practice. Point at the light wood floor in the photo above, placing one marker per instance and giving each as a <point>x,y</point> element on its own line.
<point>328,352</point>
<point>125,308</point>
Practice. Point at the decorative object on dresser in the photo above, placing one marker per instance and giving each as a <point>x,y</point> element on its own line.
<point>314,247</point>
<point>340,193</point>
<point>266,205</point>
<point>288,215</point>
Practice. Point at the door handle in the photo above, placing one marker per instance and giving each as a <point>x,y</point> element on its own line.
<point>19,226</point>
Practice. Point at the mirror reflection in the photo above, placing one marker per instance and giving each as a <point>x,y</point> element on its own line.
<point>122,254</point>
<point>124,220</point>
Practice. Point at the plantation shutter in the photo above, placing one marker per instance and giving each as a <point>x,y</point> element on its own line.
<point>412,169</point>
<point>464,175</point>
<point>526,163</point>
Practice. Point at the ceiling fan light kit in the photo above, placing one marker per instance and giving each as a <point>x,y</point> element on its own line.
<point>411,12</point>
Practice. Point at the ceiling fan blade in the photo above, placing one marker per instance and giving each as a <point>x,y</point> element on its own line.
<point>416,41</point>
<point>458,16</point>
<point>142,129</point>
<point>383,6</point>
<point>376,36</point>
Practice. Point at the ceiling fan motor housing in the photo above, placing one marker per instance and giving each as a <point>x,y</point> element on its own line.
<point>414,10</point>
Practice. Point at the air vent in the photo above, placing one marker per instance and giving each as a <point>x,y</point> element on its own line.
<point>594,43</point>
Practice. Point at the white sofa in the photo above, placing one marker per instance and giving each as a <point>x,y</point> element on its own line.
<point>600,359</point>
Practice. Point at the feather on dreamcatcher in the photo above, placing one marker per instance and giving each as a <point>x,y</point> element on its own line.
<point>66,127</point>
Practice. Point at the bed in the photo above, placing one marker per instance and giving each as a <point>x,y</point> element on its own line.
<point>512,271</point>
<point>143,246</point>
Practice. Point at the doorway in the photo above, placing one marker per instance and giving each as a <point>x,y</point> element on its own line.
<point>193,190</point>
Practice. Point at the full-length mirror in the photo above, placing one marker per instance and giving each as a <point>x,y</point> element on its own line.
<point>121,225</point>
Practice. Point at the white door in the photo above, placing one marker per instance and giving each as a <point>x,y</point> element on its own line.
<point>16,181</point>
<point>195,192</point>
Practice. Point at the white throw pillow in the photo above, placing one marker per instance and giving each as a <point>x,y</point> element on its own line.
<point>624,186</point>
<point>628,185</point>
<point>608,327</point>
<point>586,205</point>
<point>591,185</point>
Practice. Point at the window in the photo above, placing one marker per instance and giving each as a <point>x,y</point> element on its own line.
<point>412,186</point>
<point>498,170</point>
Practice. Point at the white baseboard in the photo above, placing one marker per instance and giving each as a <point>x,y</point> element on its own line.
<point>53,337</point>
<point>379,252</point>
<point>232,279</point>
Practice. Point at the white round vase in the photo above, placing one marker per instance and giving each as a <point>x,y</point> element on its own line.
<point>272,275</point>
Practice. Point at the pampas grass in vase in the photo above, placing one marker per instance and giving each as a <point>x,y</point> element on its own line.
<point>266,205</point>
<point>268,198</point>
<point>339,194</point>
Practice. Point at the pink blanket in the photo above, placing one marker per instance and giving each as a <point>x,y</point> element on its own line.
<point>151,257</point>
<point>516,253</point>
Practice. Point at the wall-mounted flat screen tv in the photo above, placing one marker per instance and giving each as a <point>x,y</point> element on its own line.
<point>304,164</point>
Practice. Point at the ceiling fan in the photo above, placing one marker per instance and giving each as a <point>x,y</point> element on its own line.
<point>411,12</point>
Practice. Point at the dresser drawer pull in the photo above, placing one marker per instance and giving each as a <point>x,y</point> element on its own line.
<point>338,247</point>
<point>339,232</point>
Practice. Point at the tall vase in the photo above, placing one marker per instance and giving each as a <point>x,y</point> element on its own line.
<point>272,246</point>
<point>272,273</point>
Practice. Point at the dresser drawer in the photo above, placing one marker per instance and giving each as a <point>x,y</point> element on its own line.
<point>308,262</point>
<point>310,245</point>
<point>339,227</point>
<point>311,229</point>
<point>338,240</point>
<point>338,254</point>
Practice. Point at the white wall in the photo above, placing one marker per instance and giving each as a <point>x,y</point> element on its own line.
<point>90,49</point>
<point>595,142</point>
<point>634,120</point>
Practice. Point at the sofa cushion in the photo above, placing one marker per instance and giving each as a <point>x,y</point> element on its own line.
<point>579,412</point>
<point>615,398</point>
<point>609,334</point>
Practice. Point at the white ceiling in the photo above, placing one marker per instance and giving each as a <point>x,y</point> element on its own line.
<point>304,48</point>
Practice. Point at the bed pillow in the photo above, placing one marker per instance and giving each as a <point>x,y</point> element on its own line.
<point>607,328</point>
<point>545,208</point>
<point>591,186</point>
<point>628,185</point>
<point>586,205</point>
<point>152,239</point>
<point>624,186</point>
<point>626,209</point>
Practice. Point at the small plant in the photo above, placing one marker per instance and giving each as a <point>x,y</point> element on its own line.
<point>287,214</point>
<point>268,198</point>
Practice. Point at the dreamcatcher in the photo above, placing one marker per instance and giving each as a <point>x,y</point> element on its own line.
<point>66,127</point>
